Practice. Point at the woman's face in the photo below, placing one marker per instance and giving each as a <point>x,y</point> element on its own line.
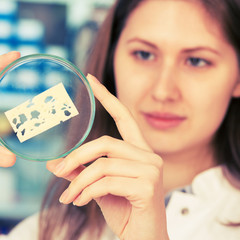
<point>176,73</point>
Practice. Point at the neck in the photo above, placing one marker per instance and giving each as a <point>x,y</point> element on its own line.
<point>181,168</point>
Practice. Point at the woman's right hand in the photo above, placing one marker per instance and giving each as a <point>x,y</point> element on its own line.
<point>7,158</point>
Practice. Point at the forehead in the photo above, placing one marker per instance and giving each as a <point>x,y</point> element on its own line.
<point>155,18</point>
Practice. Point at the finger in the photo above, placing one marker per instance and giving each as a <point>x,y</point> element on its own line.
<point>7,58</point>
<point>101,168</point>
<point>104,146</point>
<point>51,166</point>
<point>125,123</point>
<point>7,158</point>
<point>103,187</point>
<point>75,173</point>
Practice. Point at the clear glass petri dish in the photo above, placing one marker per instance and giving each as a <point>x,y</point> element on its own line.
<point>47,107</point>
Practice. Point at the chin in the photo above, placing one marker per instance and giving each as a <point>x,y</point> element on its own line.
<point>164,147</point>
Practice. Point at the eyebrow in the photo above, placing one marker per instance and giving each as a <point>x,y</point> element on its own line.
<point>187,50</point>
<point>201,48</point>
<point>142,41</point>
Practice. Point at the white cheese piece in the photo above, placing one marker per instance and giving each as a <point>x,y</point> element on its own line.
<point>44,111</point>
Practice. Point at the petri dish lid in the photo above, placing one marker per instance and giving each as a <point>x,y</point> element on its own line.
<point>47,107</point>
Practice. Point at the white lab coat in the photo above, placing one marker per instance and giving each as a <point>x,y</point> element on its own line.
<point>202,214</point>
<point>199,215</point>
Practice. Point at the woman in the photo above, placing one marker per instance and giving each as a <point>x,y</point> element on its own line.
<point>175,66</point>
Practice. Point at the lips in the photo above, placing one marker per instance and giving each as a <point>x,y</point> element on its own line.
<point>163,121</point>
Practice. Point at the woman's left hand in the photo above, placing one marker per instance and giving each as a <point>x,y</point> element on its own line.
<point>125,177</point>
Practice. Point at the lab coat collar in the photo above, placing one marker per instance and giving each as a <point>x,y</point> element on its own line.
<point>212,183</point>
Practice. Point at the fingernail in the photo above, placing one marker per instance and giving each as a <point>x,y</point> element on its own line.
<point>89,75</point>
<point>64,196</point>
<point>77,201</point>
<point>59,168</point>
<point>94,79</point>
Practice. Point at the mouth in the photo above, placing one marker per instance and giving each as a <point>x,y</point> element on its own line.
<point>163,121</point>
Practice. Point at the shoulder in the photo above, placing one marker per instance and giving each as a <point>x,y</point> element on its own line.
<point>214,188</point>
<point>214,183</point>
<point>206,212</point>
<point>27,229</point>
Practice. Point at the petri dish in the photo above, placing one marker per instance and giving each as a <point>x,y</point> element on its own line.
<point>47,107</point>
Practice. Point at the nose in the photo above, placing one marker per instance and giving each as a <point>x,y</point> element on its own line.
<point>166,86</point>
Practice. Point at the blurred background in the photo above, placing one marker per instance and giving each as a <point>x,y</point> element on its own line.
<point>65,28</point>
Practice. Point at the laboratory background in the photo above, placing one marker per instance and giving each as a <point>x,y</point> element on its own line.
<point>65,28</point>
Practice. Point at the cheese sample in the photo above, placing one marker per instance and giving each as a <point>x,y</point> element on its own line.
<point>44,111</point>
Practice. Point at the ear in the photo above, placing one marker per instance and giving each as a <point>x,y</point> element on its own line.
<point>236,90</point>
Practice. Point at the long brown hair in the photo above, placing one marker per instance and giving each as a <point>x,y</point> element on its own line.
<point>57,219</point>
<point>71,221</point>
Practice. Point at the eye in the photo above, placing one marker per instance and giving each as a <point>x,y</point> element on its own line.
<point>144,55</point>
<point>197,62</point>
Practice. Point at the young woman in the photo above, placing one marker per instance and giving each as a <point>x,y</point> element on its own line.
<point>174,67</point>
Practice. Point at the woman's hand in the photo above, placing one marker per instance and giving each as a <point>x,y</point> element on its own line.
<point>7,158</point>
<point>125,177</point>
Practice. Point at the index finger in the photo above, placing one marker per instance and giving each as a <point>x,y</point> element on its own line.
<point>125,122</point>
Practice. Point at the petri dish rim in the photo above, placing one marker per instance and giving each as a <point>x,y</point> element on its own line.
<point>73,68</point>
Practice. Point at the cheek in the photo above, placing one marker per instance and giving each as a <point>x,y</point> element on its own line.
<point>131,85</point>
<point>127,91</point>
<point>212,92</point>
<point>209,107</point>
